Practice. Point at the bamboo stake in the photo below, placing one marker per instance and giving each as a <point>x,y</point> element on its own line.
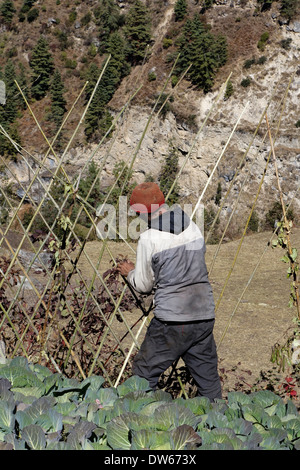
<point>218,161</point>
<point>268,244</point>
<point>240,191</point>
<point>289,246</point>
<point>240,164</point>
<point>251,277</point>
<point>197,136</point>
<point>130,352</point>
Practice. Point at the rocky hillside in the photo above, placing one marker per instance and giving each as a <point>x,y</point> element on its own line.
<point>262,56</point>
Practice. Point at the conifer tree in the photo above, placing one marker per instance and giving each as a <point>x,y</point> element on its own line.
<point>180,9</point>
<point>109,19</point>
<point>168,174</point>
<point>7,11</point>
<point>58,102</point>
<point>22,81</point>
<point>137,31</point>
<point>206,52</point>
<point>42,68</point>
<point>98,117</point>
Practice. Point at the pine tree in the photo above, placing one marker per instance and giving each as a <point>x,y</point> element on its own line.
<point>137,31</point>
<point>180,9</point>
<point>6,147</point>
<point>218,194</point>
<point>204,51</point>
<point>98,117</point>
<point>42,68</point>
<point>109,19</point>
<point>96,108</point>
<point>289,8</point>
<point>168,175</point>
<point>7,11</point>
<point>58,102</point>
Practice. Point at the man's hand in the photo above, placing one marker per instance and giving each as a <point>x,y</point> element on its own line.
<point>124,267</point>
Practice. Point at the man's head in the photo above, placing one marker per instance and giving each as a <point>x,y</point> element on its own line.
<point>146,198</point>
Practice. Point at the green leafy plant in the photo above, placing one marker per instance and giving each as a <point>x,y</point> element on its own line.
<point>263,41</point>
<point>246,82</point>
<point>44,410</point>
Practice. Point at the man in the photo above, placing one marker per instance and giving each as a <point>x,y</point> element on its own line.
<point>171,259</point>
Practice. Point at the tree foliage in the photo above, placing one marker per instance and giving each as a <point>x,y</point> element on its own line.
<point>168,174</point>
<point>205,51</point>
<point>42,67</point>
<point>7,11</point>
<point>97,116</point>
<point>58,102</point>
<point>137,31</point>
<point>180,9</point>
<point>109,19</point>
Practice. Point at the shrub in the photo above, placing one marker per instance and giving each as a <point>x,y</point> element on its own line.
<point>246,82</point>
<point>174,80</point>
<point>167,42</point>
<point>32,15</point>
<point>261,60</point>
<point>151,76</point>
<point>286,43</point>
<point>253,222</point>
<point>275,214</point>
<point>263,41</point>
<point>248,63</point>
<point>229,90</point>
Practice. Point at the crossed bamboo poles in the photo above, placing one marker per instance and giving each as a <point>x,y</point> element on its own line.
<point>85,207</point>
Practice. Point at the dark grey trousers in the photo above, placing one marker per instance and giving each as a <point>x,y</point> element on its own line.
<point>164,343</point>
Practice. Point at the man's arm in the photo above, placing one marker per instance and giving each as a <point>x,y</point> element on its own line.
<point>141,275</point>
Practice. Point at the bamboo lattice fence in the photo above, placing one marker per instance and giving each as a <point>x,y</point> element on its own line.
<point>50,311</point>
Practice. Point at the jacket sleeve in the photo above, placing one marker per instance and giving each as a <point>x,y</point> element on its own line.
<point>142,277</point>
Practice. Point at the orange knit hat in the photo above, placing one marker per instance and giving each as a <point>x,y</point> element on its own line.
<point>146,198</point>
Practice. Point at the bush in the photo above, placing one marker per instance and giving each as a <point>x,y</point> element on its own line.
<point>286,43</point>
<point>253,222</point>
<point>263,41</point>
<point>167,42</point>
<point>248,63</point>
<point>151,76</point>
<point>229,90</point>
<point>246,82</point>
<point>32,15</point>
<point>275,214</point>
<point>261,60</point>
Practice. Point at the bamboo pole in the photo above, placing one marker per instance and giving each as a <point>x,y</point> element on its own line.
<point>289,246</point>
<point>218,161</point>
<point>238,249</point>
<point>240,190</point>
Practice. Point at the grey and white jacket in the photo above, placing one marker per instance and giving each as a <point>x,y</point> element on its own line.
<point>171,259</point>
